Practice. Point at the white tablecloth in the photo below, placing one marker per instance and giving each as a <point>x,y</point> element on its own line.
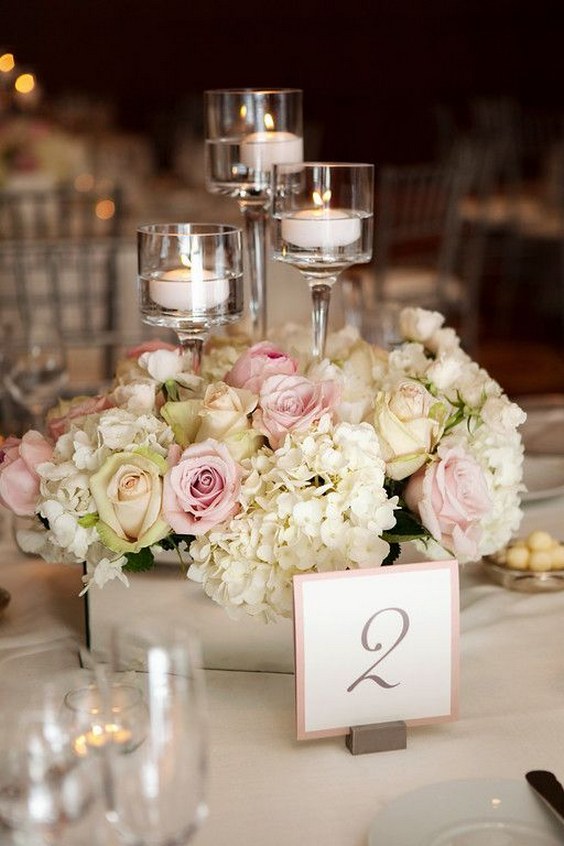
<point>266,789</point>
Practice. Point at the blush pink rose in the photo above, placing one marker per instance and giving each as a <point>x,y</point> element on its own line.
<point>257,364</point>
<point>58,424</point>
<point>451,497</point>
<point>19,481</point>
<point>149,346</point>
<point>292,404</point>
<point>201,488</point>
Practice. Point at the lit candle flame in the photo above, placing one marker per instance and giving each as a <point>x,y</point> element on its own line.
<point>185,261</point>
<point>321,200</point>
<point>243,111</point>
<point>99,735</point>
<point>268,122</point>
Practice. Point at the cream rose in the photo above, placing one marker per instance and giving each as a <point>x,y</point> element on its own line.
<point>128,491</point>
<point>225,416</point>
<point>409,423</point>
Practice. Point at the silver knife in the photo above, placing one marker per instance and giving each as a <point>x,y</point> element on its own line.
<point>547,786</point>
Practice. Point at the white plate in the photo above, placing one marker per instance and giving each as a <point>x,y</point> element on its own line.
<point>543,430</point>
<point>544,476</point>
<point>474,812</point>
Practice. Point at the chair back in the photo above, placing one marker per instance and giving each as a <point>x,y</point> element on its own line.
<point>72,285</point>
<point>60,212</point>
<point>418,218</point>
<point>426,254</point>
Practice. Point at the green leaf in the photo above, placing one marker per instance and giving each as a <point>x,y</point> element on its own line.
<point>406,528</point>
<point>173,541</point>
<point>170,390</point>
<point>88,520</point>
<point>392,555</point>
<point>138,562</point>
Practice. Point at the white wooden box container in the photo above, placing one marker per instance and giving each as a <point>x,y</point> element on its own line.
<point>163,593</point>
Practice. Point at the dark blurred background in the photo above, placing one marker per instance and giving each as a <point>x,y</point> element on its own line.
<point>393,82</point>
<point>382,79</point>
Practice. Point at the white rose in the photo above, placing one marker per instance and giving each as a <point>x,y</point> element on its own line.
<point>444,372</point>
<point>444,342</point>
<point>163,365</point>
<point>501,415</point>
<point>137,397</point>
<point>418,324</point>
<point>409,423</point>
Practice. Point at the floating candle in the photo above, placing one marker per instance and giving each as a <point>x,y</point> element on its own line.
<point>184,289</point>
<point>321,228</point>
<point>262,150</point>
<point>100,734</point>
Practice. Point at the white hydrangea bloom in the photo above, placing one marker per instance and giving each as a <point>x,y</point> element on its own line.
<point>105,571</point>
<point>316,504</point>
<point>65,480</point>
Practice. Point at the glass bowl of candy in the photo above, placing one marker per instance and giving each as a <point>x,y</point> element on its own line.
<point>533,564</point>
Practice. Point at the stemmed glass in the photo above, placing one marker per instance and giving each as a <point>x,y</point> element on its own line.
<point>46,790</point>
<point>38,372</point>
<point>190,279</point>
<point>247,132</point>
<point>156,792</point>
<point>322,224</point>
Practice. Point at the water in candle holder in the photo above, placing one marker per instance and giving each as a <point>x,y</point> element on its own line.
<point>242,167</point>
<point>322,243</point>
<point>178,303</point>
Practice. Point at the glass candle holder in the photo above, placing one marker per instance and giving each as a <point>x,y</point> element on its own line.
<point>190,278</point>
<point>322,224</point>
<point>248,131</point>
<point>116,715</point>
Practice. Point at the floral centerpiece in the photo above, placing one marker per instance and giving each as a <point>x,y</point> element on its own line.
<point>269,464</point>
<point>32,148</point>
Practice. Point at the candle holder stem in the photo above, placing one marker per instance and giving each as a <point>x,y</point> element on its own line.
<point>255,215</point>
<point>321,297</point>
<point>194,345</point>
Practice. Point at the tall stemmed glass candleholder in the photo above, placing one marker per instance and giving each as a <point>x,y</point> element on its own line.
<point>190,279</point>
<point>247,132</point>
<point>322,224</point>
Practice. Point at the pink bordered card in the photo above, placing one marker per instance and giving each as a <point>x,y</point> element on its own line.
<point>375,646</point>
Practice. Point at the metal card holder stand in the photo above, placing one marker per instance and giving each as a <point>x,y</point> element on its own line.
<point>377,737</point>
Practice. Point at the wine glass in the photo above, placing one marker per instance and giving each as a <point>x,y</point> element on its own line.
<point>190,279</point>
<point>114,713</point>
<point>46,790</point>
<point>248,131</point>
<point>322,224</point>
<point>156,792</point>
<point>38,372</point>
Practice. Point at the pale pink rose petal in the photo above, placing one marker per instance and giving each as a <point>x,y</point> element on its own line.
<point>19,481</point>
<point>201,488</point>
<point>257,363</point>
<point>451,497</point>
<point>292,404</point>
<point>57,426</point>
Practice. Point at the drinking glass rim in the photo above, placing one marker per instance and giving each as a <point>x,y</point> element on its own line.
<point>254,91</point>
<point>183,230</point>
<point>89,688</point>
<point>297,165</point>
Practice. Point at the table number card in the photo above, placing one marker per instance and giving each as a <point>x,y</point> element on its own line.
<point>376,646</point>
